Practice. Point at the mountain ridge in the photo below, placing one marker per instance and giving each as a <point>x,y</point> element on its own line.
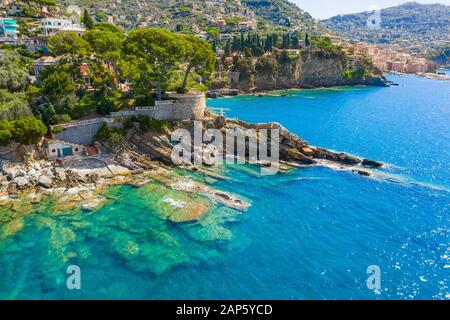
<point>411,23</point>
<point>190,14</point>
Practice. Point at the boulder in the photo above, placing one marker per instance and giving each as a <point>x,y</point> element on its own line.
<point>60,174</point>
<point>362,173</point>
<point>91,204</point>
<point>21,182</point>
<point>309,152</point>
<point>371,163</point>
<point>45,181</point>
<point>293,154</point>
<point>220,122</point>
<point>93,177</point>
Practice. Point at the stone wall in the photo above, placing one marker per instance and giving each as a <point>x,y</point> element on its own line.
<point>80,132</point>
<point>184,107</point>
<point>181,107</point>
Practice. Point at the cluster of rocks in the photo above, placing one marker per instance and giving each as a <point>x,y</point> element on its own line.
<point>293,149</point>
<point>152,150</point>
<point>40,174</point>
<point>224,92</point>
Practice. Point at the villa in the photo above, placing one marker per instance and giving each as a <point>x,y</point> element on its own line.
<point>43,63</point>
<point>51,26</point>
<point>8,29</point>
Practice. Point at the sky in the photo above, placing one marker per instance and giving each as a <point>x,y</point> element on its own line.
<point>323,9</point>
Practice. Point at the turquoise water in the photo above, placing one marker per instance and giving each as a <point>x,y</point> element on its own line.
<point>309,234</point>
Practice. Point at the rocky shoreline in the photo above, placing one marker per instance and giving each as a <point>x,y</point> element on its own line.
<point>145,157</point>
<point>233,92</point>
<point>433,76</point>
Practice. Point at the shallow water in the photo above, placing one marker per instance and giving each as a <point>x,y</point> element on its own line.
<point>309,234</point>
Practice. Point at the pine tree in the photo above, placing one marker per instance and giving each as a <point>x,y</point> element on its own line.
<point>236,45</point>
<point>228,49</point>
<point>87,20</point>
<point>307,42</point>
<point>295,41</point>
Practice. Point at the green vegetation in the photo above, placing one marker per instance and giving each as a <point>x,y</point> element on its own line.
<point>199,57</point>
<point>91,71</point>
<point>189,16</point>
<point>441,56</point>
<point>13,71</point>
<point>105,132</point>
<point>87,20</point>
<point>111,135</point>
<point>256,45</point>
<point>27,130</point>
<point>327,46</point>
<point>148,123</point>
<point>13,105</point>
<point>157,49</point>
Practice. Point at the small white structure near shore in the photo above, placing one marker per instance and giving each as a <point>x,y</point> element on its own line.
<point>57,149</point>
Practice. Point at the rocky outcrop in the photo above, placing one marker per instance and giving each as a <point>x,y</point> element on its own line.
<point>152,150</point>
<point>42,174</point>
<point>321,70</point>
<point>336,157</point>
<point>311,68</point>
<point>292,148</point>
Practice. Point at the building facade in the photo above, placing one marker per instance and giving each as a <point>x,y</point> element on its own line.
<point>8,29</point>
<point>51,26</point>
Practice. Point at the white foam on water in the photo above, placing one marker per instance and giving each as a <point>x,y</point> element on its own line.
<point>175,203</point>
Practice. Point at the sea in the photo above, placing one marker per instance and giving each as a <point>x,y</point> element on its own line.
<point>310,233</point>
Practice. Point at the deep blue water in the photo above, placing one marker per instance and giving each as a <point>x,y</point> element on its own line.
<point>309,234</point>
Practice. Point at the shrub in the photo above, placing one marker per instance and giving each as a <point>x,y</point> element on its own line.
<point>57,129</point>
<point>13,105</point>
<point>5,132</point>
<point>28,130</point>
<point>106,133</point>
<point>128,124</point>
<point>353,75</point>
<point>84,106</point>
<point>146,123</point>
<point>5,137</point>
<point>61,118</point>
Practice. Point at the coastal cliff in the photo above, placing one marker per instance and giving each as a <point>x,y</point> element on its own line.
<point>309,68</point>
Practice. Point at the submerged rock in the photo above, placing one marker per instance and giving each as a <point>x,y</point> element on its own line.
<point>91,204</point>
<point>371,163</point>
<point>362,173</point>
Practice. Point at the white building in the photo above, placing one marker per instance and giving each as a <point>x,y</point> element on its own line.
<point>50,26</point>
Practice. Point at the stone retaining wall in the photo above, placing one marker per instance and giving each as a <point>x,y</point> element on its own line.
<point>182,107</point>
<point>81,132</point>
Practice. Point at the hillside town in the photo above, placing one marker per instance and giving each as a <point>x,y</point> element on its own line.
<point>396,59</point>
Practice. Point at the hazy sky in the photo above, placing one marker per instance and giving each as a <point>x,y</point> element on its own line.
<point>327,8</point>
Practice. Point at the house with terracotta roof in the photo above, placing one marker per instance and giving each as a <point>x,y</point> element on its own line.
<point>42,64</point>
